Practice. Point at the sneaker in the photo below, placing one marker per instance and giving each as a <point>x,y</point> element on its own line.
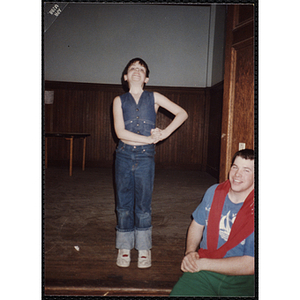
<point>123,259</point>
<point>144,260</point>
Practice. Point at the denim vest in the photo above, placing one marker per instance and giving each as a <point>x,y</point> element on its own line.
<point>139,118</point>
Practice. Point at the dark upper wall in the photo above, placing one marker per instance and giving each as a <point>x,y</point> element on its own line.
<point>93,42</point>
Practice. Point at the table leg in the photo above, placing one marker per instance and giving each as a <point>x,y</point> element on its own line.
<point>83,155</point>
<point>71,155</point>
<point>46,154</point>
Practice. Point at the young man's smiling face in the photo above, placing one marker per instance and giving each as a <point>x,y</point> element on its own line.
<point>241,175</point>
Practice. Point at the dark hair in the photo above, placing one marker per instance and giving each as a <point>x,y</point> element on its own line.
<point>245,153</point>
<point>132,61</point>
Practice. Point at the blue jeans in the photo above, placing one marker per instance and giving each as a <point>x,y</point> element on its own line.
<point>134,172</point>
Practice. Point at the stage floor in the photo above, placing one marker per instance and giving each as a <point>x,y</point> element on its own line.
<point>79,232</point>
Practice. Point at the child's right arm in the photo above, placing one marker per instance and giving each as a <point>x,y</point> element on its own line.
<point>124,134</point>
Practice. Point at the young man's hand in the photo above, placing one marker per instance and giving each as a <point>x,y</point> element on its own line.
<point>190,263</point>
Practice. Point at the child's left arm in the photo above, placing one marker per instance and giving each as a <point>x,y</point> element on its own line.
<point>179,113</point>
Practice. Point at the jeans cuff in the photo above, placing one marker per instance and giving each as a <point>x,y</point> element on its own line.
<point>125,240</point>
<point>143,239</point>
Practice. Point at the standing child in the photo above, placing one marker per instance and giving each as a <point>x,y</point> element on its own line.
<point>134,121</point>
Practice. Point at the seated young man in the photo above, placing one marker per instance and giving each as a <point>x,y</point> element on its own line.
<point>223,225</point>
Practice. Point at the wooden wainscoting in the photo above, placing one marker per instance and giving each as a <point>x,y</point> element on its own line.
<point>82,108</point>
<point>87,108</point>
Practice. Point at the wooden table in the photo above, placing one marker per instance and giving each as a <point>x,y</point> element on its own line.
<point>69,137</point>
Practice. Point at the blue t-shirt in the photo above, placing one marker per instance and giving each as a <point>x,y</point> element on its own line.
<point>229,213</point>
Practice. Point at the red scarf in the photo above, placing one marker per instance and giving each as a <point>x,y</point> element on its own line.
<point>242,227</point>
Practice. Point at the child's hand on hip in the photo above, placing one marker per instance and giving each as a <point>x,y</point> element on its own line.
<point>156,135</point>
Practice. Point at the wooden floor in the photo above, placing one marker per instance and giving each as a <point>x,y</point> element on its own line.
<point>79,233</point>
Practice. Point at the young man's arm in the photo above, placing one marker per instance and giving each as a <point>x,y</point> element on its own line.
<point>189,262</point>
<point>239,265</point>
